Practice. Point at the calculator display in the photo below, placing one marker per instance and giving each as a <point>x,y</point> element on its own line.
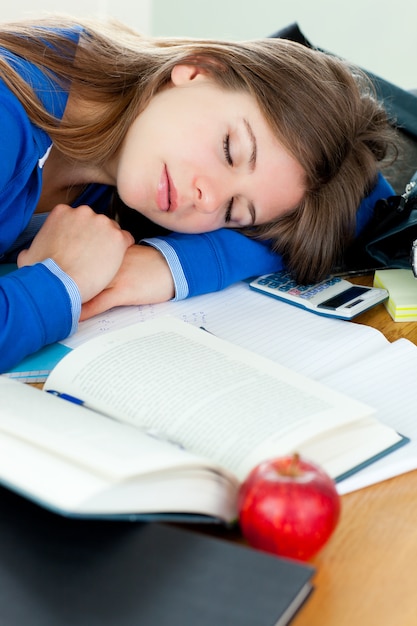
<point>343,298</point>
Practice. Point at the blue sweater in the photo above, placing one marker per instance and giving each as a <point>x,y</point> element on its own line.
<point>40,304</point>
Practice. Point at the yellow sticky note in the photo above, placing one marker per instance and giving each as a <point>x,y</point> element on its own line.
<point>402,288</point>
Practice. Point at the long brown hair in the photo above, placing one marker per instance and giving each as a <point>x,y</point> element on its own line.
<point>322,110</point>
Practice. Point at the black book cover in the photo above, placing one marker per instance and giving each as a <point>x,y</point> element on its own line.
<point>56,571</point>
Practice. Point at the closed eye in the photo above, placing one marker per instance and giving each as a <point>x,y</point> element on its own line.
<point>228,215</point>
<point>226,149</point>
<point>229,160</point>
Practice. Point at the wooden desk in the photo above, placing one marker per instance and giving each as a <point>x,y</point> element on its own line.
<point>367,573</point>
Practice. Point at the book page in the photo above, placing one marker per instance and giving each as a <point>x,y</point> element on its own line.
<point>215,399</point>
<point>69,458</point>
<point>93,441</point>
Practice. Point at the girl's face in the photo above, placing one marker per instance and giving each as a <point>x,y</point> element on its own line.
<point>199,158</point>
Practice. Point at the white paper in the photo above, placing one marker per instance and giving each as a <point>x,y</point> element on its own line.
<point>349,357</point>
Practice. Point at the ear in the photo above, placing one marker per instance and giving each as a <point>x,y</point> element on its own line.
<point>183,74</point>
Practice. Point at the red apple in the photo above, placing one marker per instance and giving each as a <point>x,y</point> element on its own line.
<point>288,506</point>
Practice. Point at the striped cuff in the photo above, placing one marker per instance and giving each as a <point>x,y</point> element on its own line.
<point>170,256</point>
<point>72,290</point>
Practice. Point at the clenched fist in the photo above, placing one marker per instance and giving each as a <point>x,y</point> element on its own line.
<point>88,247</point>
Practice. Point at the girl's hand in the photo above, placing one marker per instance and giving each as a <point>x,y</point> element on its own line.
<point>143,278</point>
<point>88,247</point>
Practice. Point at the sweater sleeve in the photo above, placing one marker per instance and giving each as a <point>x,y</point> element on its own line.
<point>212,261</point>
<point>35,310</point>
<point>382,189</point>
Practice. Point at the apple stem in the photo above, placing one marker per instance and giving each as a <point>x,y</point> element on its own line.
<point>294,468</point>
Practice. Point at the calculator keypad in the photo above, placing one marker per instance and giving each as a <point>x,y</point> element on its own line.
<point>282,281</point>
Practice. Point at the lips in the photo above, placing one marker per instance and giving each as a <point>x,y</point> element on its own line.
<point>166,196</point>
<point>162,195</point>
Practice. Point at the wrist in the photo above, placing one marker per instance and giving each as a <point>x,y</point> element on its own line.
<point>177,284</point>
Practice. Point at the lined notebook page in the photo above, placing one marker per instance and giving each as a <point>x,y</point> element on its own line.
<point>387,381</point>
<point>307,343</point>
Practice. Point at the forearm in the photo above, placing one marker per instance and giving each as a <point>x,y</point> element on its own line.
<point>144,278</point>
<point>155,275</point>
<point>35,310</point>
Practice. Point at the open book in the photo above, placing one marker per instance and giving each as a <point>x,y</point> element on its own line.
<point>169,420</point>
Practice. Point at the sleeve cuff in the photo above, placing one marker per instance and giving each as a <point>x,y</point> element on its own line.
<point>72,290</point>
<point>170,256</point>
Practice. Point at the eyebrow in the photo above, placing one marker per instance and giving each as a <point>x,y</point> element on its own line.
<point>252,164</point>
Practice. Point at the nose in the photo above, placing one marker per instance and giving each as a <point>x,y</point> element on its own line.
<point>209,194</point>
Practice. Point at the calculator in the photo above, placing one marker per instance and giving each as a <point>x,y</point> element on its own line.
<point>333,297</point>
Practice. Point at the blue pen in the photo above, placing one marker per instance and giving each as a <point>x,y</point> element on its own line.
<point>66,396</point>
<point>148,431</point>
<point>78,401</point>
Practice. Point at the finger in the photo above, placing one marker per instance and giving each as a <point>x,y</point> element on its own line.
<point>130,240</point>
<point>21,258</point>
<point>100,303</point>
